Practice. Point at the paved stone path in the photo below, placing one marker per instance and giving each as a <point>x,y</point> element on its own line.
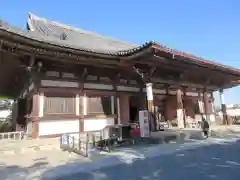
<point>212,158</point>
<point>217,161</point>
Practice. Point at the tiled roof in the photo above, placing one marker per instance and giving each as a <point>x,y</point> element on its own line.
<point>77,37</point>
<point>53,33</point>
<point>119,48</point>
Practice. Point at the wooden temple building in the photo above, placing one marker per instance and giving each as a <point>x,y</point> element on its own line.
<point>67,80</point>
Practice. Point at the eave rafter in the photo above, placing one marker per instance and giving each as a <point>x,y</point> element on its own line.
<point>122,63</point>
<point>1,44</point>
<point>60,56</point>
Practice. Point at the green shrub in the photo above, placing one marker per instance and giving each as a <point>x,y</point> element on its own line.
<point>5,127</point>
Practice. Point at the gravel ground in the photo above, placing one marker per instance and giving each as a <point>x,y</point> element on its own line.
<point>209,161</point>
<point>217,161</point>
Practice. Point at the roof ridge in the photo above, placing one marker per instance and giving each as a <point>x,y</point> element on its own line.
<point>32,16</point>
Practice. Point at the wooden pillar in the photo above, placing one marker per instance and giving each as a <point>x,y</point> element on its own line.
<point>78,113</point>
<point>213,108</point>
<point>200,102</point>
<point>38,105</point>
<point>77,104</point>
<point>115,108</point>
<point>184,97</point>
<point>223,107</point>
<point>118,111</point>
<point>124,109</point>
<point>152,126</point>
<point>206,105</point>
<point>81,120</point>
<point>41,104</point>
<point>180,114</point>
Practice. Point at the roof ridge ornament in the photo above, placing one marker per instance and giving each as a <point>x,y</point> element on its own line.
<point>33,16</point>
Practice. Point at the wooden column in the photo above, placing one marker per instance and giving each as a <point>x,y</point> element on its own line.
<point>180,114</point>
<point>205,103</point>
<point>118,111</point>
<point>41,104</point>
<point>124,108</point>
<point>200,102</point>
<point>37,113</point>
<point>114,107</point>
<point>77,104</point>
<point>78,113</point>
<point>115,104</point>
<point>223,107</point>
<point>184,96</point>
<point>81,120</point>
<point>213,107</point>
<point>152,126</point>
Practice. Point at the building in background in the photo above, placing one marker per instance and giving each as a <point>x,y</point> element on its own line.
<point>5,110</point>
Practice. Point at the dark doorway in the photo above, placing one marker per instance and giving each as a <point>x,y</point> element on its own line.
<point>134,106</point>
<point>22,110</point>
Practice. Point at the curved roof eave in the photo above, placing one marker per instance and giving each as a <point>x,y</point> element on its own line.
<point>128,53</point>
<point>196,60</point>
<point>4,27</point>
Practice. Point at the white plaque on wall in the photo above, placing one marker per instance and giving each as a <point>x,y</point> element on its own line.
<point>144,123</point>
<point>149,91</point>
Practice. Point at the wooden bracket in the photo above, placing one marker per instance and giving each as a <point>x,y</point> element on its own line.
<point>144,77</point>
<point>152,71</point>
<point>84,74</point>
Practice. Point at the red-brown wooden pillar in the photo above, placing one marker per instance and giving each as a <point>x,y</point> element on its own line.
<point>38,105</point>
<point>180,113</point>
<point>206,105</point>
<point>82,119</point>
<point>35,115</point>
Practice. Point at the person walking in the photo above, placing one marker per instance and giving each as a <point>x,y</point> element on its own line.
<point>205,127</point>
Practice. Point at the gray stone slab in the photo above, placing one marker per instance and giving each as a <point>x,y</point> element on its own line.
<point>217,161</point>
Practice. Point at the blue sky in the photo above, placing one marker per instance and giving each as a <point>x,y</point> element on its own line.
<point>205,28</point>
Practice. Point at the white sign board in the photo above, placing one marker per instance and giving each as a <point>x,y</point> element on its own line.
<point>149,91</point>
<point>144,123</point>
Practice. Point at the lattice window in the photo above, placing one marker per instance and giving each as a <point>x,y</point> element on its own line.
<point>99,105</point>
<point>59,105</point>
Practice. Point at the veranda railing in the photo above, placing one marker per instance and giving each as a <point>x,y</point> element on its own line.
<point>17,135</point>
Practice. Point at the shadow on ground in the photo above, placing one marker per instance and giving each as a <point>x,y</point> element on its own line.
<point>22,173</point>
<point>217,161</point>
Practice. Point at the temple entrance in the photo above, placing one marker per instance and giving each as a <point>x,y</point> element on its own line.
<point>135,104</point>
<point>133,109</point>
<point>21,112</point>
<point>159,111</point>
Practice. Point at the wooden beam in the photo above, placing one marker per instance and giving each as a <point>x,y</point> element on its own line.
<point>173,64</point>
<point>32,61</point>
<point>42,52</point>
<point>71,60</point>
<point>1,44</point>
<point>152,71</point>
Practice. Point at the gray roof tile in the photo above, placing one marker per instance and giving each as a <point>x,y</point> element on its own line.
<point>40,37</point>
<point>77,37</point>
<point>51,33</point>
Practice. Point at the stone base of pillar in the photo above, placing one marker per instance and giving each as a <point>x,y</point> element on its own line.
<point>212,118</point>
